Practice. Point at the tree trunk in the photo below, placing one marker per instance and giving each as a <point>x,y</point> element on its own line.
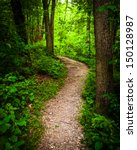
<point>19,19</point>
<point>89,2</point>
<point>104,37</point>
<point>88,30</point>
<point>49,25</point>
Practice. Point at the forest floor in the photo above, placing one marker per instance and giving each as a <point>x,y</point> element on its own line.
<point>60,118</point>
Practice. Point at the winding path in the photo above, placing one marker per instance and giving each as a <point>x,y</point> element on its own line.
<point>63,131</point>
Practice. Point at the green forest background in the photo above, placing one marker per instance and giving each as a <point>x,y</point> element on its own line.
<point>33,34</point>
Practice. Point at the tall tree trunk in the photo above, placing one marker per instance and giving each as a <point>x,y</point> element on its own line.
<point>89,2</point>
<point>49,25</point>
<point>88,29</point>
<point>19,19</point>
<point>104,37</point>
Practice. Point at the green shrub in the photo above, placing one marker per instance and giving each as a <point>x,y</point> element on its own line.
<point>89,91</point>
<point>42,63</point>
<point>22,98</point>
<point>100,132</point>
<point>50,66</point>
<point>114,106</point>
<point>20,103</point>
<point>15,95</point>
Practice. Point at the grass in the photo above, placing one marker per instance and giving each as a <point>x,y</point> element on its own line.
<point>44,91</point>
<point>22,97</point>
<point>100,132</point>
<point>50,74</point>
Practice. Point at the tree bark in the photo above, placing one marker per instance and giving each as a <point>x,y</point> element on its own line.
<point>49,25</point>
<point>104,37</point>
<point>52,26</point>
<point>88,30</point>
<point>89,4</point>
<point>19,19</point>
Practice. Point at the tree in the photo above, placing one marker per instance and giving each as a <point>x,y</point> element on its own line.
<point>86,6</point>
<point>19,19</point>
<point>33,11</point>
<point>89,3</point>
<point>49,24</point>
<point>104,38</point>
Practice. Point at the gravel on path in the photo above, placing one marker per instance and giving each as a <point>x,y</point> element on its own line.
<point>62,128</point>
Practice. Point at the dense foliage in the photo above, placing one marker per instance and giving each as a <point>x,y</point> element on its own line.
<point>71,37</point>
<point>101,132</point>
<point>30,75</point>
<point>22,96</point>
<point>22,92</point>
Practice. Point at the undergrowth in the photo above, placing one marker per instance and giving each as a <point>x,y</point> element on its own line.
<point>44,91</point>
<point>100,132</point>
<point>22,96</point>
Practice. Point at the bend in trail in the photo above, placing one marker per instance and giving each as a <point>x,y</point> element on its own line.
<point>63,131</point>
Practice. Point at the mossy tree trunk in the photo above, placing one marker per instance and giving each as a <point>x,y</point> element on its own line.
<point>104,38</point>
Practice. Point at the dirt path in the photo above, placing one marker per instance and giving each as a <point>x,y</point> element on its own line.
<point>63,131</point>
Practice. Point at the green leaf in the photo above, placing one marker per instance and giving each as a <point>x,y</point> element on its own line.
<point>13,89</point>
<point>8,146</point>
<point>17,131</point>
<point>4,127</point>
<point>19,143</point>
<point>107,7</point>
<point>7,119</point>
<point>98,146</point>
<point>12,78</point>
<point>31,97</point>
<point>23,98</point>
<point>21,123</point>
<point>14,138</point>
<point>8,44</point>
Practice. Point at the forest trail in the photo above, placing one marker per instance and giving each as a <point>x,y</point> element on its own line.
<point>63,130</point>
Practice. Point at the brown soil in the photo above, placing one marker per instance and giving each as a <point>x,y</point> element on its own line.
<point>42,77</point>
<point>62,128</point>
